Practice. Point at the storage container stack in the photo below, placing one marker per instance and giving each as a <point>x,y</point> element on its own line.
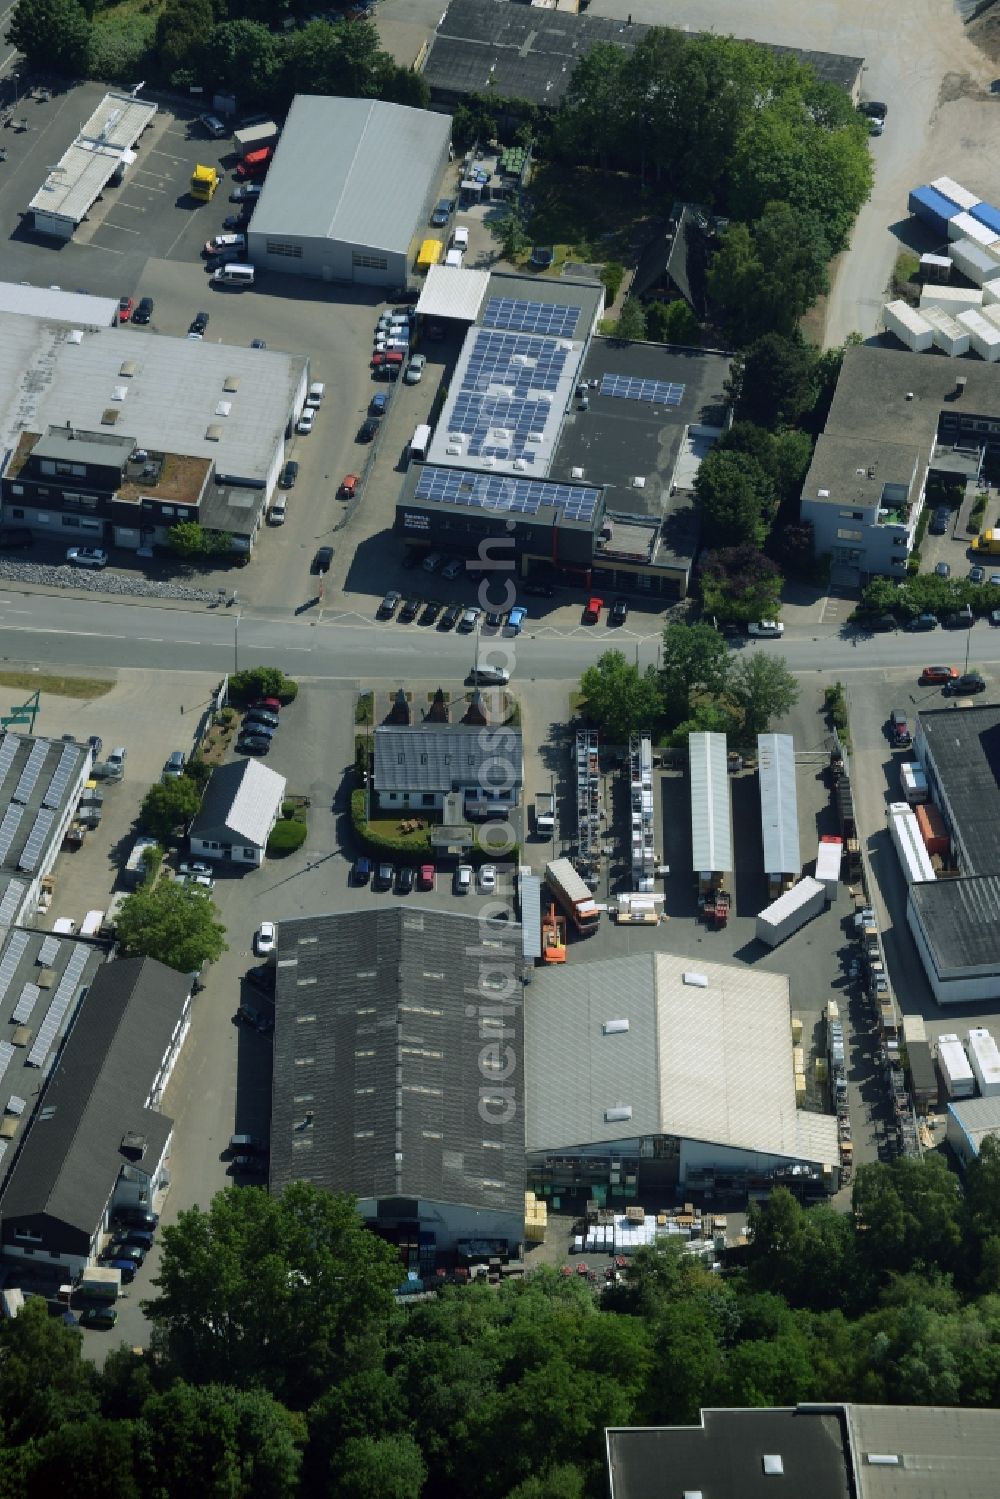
<point>536,1218</point>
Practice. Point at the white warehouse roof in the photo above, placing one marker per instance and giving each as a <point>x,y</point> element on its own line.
<point>454,292</point>
<point>701,1061</point>
<point>711,816</point>
<point>78,308</point>
<point>779,811</point>
<point>354,170</point>
<point>87,165</point>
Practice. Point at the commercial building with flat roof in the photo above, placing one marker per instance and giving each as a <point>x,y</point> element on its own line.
<point>955,922</point>
<point>41,781</point>
<point>673,1068</point>
<point>970,1122</point>
<point>52,304</point>
<point>350,190</point>
<point>101,153</point>
<point>107,438</point>
<point>897,421</point>
<point>397,1073</point>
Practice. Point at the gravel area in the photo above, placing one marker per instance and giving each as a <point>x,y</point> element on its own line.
<point>101,581</point>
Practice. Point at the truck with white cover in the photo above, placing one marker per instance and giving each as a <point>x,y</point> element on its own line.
<point>545,814</point>
<point>914,783</point>
<point>255,137</point>
<point>790,911</point>
<point>99,1283</point>
<point>958,1077</point>
<point>914,860</point>
<point>829,856</point>
<point>984,1059</point>
<point>135,868</point>
<point>573,895</point>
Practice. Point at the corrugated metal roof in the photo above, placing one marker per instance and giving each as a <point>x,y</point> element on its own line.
<point>355,170</point>
<point>779,810</point>
<point>711,817</point>
<point>453,292</point>
<point>78,308</point>
<point>531,916</point>
<point>241,801</point>
<point>440,757</point>
<point>94,156</point>
<point>941,1450</point>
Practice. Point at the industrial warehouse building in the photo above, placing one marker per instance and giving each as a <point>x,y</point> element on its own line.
<point>41,781</point>
<point>397,1073</point>
<point>955,922</point>
<point>108,440</point>
<point>350,190</point>
<point>655,1072</point>
<point>101,154</point>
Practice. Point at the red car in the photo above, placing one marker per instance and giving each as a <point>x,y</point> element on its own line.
<point>592,613</point>
<point>425,877</point>
<point>125,305</point>
<point>348,487</point>
<point>932,675</point>
<point>269,704</point>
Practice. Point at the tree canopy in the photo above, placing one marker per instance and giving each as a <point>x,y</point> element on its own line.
<point>172,922</point>
<point>169,806</point>
<point>621,698</point>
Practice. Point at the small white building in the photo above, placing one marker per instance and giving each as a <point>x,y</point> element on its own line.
<point>101,153</point>
<point>241,805</point>
<point>417,766</point>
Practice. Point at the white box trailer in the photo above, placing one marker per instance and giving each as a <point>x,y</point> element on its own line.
<point>984,336</point>
<point>991,291</point>
<point>974,261</point>
<point>984,1059</point>
<point>955,193</point>
<point>914,783</point>
<point>935,267</point>
<point>909,327</point>
<point>956,1074</point>
<point>964,226</point>
<point>790,911</point>
<point>914,860</point>
<point>949,335</point>
<point>951,298</point>
<point>829,856</point>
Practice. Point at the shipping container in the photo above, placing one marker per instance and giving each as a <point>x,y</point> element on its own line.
<point>932,207</point>
<point>909,327</point>
<point>974,261</point>
<point>949,336</point>
<point>992,313</point>
<point>914,860</point>
<point>933,829</point>
<point>988,216</point>
<point>790,911</point>
<point>951,298</point>
<point>958,1077</point>
<point>984,336</point>
<point>984,1059</point>
<point>991,292</point>
<point>914,782</point>
<point>923,1079</point>
<point>955,192</point>
<point>829,856</point>
<point>964,226</point>
<point>935,267</point>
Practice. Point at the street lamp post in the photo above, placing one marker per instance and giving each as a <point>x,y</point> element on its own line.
<point>236,647</point>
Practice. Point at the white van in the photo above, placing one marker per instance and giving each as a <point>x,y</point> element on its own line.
<point>316,393</point>
<point>460,239</point>
<point>278,511</point>
<point>420,441</point>
<point>234,275</point>
<point>454,259</point>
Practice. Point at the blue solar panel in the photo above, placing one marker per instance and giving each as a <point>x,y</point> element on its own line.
<point>554,318</point>
<point>630,388</point>
<point>504,492</point>
<point>504,403</point>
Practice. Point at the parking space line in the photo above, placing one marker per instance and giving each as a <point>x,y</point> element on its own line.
<point>105,249</point>
<point>120,228</point>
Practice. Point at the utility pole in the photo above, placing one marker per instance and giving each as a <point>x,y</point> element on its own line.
<point>236,647</point>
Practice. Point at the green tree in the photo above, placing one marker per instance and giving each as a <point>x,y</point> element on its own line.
<point>763,689</point>
<point>189,539</point>
<point>512,232</point>
<point>739,584</point>
<point>173,923</point>
<point>279,1292</point>
<point>286,837</point>
<point>792,456</point>
<point>621,697</point>
<point>631,326</point>
<point>180,31</point>
<point>732,282</point>
<point>590,126</point>
<point>169,806</point>
<point>695,664</point>
<point>672,323</point>
<point>390,1466</point>
<point>83,1458</point>
<point>44,1383</point>
<point>244,56</point>
<point>775,382</point>
<point>53,35</point>
<point>261,681</point>
<point>220,1441</point>
<point>736,499</point>
<point>555,1481</point>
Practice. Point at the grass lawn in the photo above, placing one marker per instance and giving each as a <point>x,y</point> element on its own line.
<point>587,214</point>
<point>31,681</point>
<point>388,827</point>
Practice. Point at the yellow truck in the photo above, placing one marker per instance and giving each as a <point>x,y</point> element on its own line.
<point>204,181</point>
<point>988,544</point>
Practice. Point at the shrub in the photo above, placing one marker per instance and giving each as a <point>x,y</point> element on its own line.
<point>286,837</point>
<point>121,49</point>
<point>976,516</point>
<point>262,681</point>
<point>836,706</point>
<point>613,274</point>
<point>199,771</point>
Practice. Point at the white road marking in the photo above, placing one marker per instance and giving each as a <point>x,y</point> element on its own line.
<point>120,228</point>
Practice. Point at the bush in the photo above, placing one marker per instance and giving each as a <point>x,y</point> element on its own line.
<point>836,706</point>
<point>152,859</point>
<point>199,771</point>
<point>977,515</point>
<point>121,48</point>
<point>613,274</point>
<point>286,837</point>
<point>262,681</point>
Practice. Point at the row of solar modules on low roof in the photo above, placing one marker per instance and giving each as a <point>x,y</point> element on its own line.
<point>59,1005</point>
<point>36,840</point>
<point>449,486</point>
<point>631,388</point>
<point>8,754</point>
<point>554,318</point>
<point>61,776</point>
<point>11,903</point>
<point>8,829</point>
<point>13,954</point>
<point>29,775</point>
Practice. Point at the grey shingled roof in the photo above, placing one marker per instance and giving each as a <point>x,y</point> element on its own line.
<point>440,757</point>
<point>377,1058</point>
<point>240,803</point>
<point>71,1156</point>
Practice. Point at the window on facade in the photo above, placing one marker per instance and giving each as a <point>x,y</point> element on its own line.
<point>280,247</point>
<point>848,535</point>
<point>249,853</point>
<point>17,489</point>
<point>166,510</point>
<point>423,759</point>
<point>17,514</point>
<point>29,1234</point>
<point>369,262</point>
<point>71,520</point>
<point>428,799</point>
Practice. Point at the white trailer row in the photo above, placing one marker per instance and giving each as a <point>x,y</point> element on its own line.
<point>983,331</point>
<point>953,1065</point>
<point>978,262</point>
<point>829,856</point>
<point>984,1059</point>
<point>951,298</point>
<point>914,860</point>
<point>791,911</point>
<point>914,781</point>
<point>909,326</point>
<point>955,193</point>
<point>977,1063</point>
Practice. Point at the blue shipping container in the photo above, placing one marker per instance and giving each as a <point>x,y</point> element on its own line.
<point>986,214</point>
<point>933,207</point>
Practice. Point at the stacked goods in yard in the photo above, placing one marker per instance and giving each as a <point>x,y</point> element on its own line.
<point>536,1218</point>
<point>932,208</point>
<point>909,326</point>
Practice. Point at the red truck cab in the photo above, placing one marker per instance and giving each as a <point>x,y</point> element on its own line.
<point>254,165</point>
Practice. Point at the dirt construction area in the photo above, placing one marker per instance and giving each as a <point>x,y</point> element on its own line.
<point>942,118</point>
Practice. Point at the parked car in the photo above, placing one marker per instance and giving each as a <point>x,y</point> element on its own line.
<point>368,429</point>
<point>874,109</point>
<point>321,560</point>
<point>443,212</point>
<point>899,729</point>
<point>87,557</point>
<point>221,242</point>
<point>469,620</point>
<point>199,323</point>
<point>265,717</point>
<point>265,939</point>
<point>431,611</point>
<point>415,369</point>
<point>542,257</point>
<point>144,311</point>
<point>348,487</point>
<point>592,610</point>
<point>939,521</point>
<point>362,871</point>
<point>766,629</point>
<point>236,223</point>
<point>95,744</point>
<point>425,877</point>
<point>942,570</point>
<point>130,1253</point>
<point>450,617</point>
<point>138,1217</point>
<point>174,765</point>
<point>923,622</point>
<point>138,1238</point>
<point>306,421</point>
<point>379,404</point>
<point>933,676</point>
<point>289,474</point>
<point>619,612</point>
<point>249,1014</point>
<point>976,573</point>
<point>253,744</point>
<point>125,306</point>
<point>249,1165</point>
<point>409,611</point>
<point>385,874</point>
<point>390,603</point>
<point>245,192</point>
<point>967,684</point>
<point>488,879</point>
<point>494,619</point>
<point>216,129</point>
<point>453,569</point>
<point>882,623</point>
<point>463,879</point>
<point>516,618</point>
<point>98,1317</point>
<point>269,704</point>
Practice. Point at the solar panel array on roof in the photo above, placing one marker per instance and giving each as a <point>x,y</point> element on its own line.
<point>505,399</point>
<point>36,840</point>
<point>6,1056</point>
<point>26,1003</point>
<point>15,1105</point>
<point>631,388</point>
<point>60,1004</point>
<point>554,318</point>
<point>13,954</point>
<point>8,829</point>
<point>13,896</point>
<point>48,952</point>
<point>61,776</point>
<point>449,486</point>
<point>8,754</point>
<point>29,775</point>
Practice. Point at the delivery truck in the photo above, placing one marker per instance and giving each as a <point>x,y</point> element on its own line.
<point>573,895</point>
<point>790,911</point>
<point>545,814</point>
<point>255,137</point>
<point>914,783</point>
<point>204,183</point>
<point>953,1065</point>
<point>253,167</point>
<point>829,855</point>
<point>99,1283</point>
<point>135,866</point>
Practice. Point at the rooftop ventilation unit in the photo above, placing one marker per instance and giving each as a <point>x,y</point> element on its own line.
<point>615,1027</point>
<point>620,1114</point>
<point>772,1463</point>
